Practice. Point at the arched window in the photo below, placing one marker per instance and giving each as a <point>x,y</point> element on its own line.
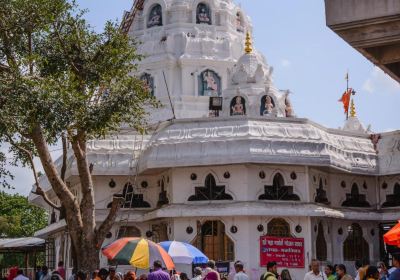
<point>155,16</point>
<point>278,190</point>
<point>320,196</point>
<point>133,200</point>
<point>210,191</point>
<point>320,244</point>
<point>162,196</point>
<point>148,82</point>
<point>355,199</point>
<point>239,22</point>
<point>393,200</point>
<point>203,14</point>
<point>355,247</point>
<point>209,83</point>
<point>267,106</point>
<point>128,231</point>
<point>214,242</point>
<point>279,228</point>
<point>238,106</point>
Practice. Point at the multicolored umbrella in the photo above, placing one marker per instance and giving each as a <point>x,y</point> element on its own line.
<point>183,253</point>
<point>138,252</point>
<point>392,237</point>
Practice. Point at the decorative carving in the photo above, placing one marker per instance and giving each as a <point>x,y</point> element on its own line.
<point>393,200</point>
<point>239,22</point>
<point>260,228</point>
<point>227,175</point>
<point>355,199</point>
<point>193,176</point>
<point>112,184</point>
<point>321,196</point>
<point>203,14</point>
<point>148,82</point>
<point>238,106</point>
<point>233,229</point>
<point>162,196</point>
<point>189,230</point>
<point>293,175</point>
<point>278,190</point>
<point>261,174</point>
<point>299,229</point>
<point>210,191</point>
<point>288,108</point>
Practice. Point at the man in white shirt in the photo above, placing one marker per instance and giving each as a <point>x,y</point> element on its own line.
<point>240,275</point>
<point>20,275</point>
<point>315,273</point>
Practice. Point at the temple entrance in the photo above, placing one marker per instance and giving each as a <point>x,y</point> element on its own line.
<point>212,240</point>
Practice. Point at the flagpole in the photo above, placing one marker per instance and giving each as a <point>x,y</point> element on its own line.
<point>347,89</point>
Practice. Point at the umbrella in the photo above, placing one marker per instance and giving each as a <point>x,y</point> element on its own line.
<point>392,237</point>
<point>138,252</point>
<point>183,253</point>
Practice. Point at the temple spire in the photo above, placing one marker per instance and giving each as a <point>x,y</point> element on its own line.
<point>248,44</point>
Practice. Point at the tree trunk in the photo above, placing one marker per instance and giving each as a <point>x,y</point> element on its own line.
<point>87,254</point>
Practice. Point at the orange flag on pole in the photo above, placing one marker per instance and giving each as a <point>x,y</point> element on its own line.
<point>346,100</point>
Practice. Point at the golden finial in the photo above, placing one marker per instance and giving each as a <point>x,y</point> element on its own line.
<point>248,49</point>
<point>352,109</point>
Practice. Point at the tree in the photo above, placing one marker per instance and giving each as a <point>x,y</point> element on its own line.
<point>18,218</point>
<point>62,82</point>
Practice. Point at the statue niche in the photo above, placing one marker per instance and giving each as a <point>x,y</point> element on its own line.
<point>239,23</point>
<point>209,83</point>
<point>203,14</point>
<point>267,106</point>
<point>148,82</point>
<point>393,200</point>
<point>238,106</point>
<point>355,199</point>
<point>155,16</point>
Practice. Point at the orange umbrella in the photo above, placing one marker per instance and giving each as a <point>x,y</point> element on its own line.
<point>392,237</point>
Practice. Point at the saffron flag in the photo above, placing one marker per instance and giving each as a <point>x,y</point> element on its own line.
<point>346,100</point>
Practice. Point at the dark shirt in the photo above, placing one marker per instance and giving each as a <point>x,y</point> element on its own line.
<point>395,275</point>
<point>158,275</point>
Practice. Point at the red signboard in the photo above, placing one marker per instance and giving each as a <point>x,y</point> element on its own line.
<point>286,252</point>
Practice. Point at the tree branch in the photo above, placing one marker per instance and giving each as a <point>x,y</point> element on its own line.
<point>64,157</point>
<point>109,221</point>
<point>39,190</point>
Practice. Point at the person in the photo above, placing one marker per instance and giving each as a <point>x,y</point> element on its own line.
<point>80,275</point>
<point>210,272</point>
<point>38,273</point>
<point>45,273</point>
<point>95,275</point>
<point>61,269</point>
<point>357,265</point>
<point>395,275</point>
<point>315,273</point>
<point>362,270</point>
<point>271,273</point>
<point>20,275</point>
<point>73,274</point>
<point>183,276</point>
<point>130,275</point>
<point>240,275</point>
<point>175,275</point>
<point>113,274</point>
<point>285,275</point>
<point>197,273</point>
<point>56,276</point>
<point>143,277</point>
<point>341,273</point>
<point>329,272</point>
<point>102,275</point>
<point>12,273</point>
<point>383,271</point>
<point>372,273</point>
<point>158,273</point>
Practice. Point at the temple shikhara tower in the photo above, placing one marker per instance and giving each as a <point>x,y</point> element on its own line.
<point>226,163</point>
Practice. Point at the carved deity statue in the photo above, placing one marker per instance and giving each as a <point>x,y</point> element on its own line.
<point>209,79</point>
<point>203,14</point>
<point>155,18</point>
<point>269,106</point>
<point>238,108</point>
<point>288,108</point>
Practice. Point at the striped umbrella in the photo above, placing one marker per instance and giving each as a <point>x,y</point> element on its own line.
<point>138,252</point>
<point>183,253</point>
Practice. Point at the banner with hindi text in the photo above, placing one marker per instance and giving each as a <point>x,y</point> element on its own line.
<point>285,251</point>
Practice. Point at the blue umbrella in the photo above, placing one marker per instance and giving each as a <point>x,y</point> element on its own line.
<point>184,253</point>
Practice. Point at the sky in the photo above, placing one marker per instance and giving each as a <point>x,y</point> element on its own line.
<point>308,59</point>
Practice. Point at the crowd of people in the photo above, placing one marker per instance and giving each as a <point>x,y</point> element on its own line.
<point>364,271</point>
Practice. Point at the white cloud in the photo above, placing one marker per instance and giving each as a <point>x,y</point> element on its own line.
<point>379,82</point>
<point>285,62</point>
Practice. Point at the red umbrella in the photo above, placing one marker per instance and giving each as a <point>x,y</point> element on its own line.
<point>392,237</point>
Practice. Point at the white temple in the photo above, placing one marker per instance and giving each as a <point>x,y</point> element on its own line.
<point>222,182</point>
